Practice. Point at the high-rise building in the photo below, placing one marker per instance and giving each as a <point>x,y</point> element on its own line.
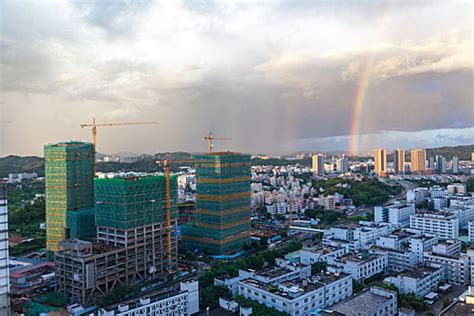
<point>440,162</point>
<point>222,221</point>
<point>455,164</point>
<point>399,161</point>
<point>380,159</point>
<point>132,239</point>
<point>4,270</point>
<point>418,160</point>
<point>318,164</point>
<point>342,164</point>
<point>69,192</point>
<point>431,164</point>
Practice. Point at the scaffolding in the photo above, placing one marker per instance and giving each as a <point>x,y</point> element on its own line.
<point>222,217</point>
<point>126,203</point>
<point>69,188</point>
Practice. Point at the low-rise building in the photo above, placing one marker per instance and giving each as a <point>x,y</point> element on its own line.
<point>396,214</point>
<point>309,256</point>
<point>450,248</point>
<point>362,265</point>
<point>419,280</point>
<point>445,225</point>
<point>456,269</point>
<point>421,244</point>
<point>184,301</point>
<point>376,301</point>
<point>299,297</point>
<point>398,259</point>
<point>24,280</point>
<point>471,231</point>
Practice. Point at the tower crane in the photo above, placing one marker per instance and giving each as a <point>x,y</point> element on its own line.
<point>93,126</point>
<point>167,171</point>
<point>209,138</point>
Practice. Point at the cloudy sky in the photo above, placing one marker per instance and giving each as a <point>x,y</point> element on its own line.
<point>275,76</point>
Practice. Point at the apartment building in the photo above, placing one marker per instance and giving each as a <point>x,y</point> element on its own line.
<point>419,280</point>
<point>445,225</point>
<point>396,214</point>
<point>362,265</point>
<point>375,301</point>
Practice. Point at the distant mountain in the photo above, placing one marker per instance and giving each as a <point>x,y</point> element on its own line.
<point>463,152</point>
<point>18,164</point>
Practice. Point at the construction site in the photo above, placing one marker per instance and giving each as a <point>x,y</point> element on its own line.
<point>136,239</point>
<point>221,223</point>
<point>69,170</point>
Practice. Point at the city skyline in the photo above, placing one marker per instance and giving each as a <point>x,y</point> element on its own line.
<point>258,74</point>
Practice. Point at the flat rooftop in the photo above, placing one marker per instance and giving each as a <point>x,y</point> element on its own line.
<point>417,272</point>
<point>360,257</point>
<point>361,304</point>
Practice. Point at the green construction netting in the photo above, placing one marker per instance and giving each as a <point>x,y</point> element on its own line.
<point>69,170</point>
<point>126,203</point>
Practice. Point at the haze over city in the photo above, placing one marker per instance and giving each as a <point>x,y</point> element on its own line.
<point>276,77</point>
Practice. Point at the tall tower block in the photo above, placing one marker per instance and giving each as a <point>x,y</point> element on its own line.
<point>69,192</point>
<point>222,219</point>
<point>380,159</point>
<point>418,160</point>
<point>399,161</point>
<point>4,270</point>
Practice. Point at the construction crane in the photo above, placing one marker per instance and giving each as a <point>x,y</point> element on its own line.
<point>167,170</point>
<point>210,138</point>
<point>93,125</point>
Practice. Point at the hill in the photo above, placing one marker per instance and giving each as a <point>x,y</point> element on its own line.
<point>17,164</point>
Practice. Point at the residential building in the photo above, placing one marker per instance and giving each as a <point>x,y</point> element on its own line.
<point>327,202</point>
<point>399,161</point>
<point>69,186</point>
<point>398,259</point>
<point>222,221</point>
<point>396,214</point>
<point>455,165</point>
<point>418,195</point>
<point>376,301</point>
<point>362,265</point>
<point>342,164</point>
<point>421,244</point>
<point>440,163</point>
<point>419,280</point>
<point>4,266</point>
<point>471,232</point>
<point>132,239</point>
<point>397,239</point>
<point>312,255</point>
<point>299,297</point>
<point>450,248</point>
<point>318,164</point>
<point>444,225</point>
<point>183,301</point>
<point>456,269</point>
<point>368,233</point>
<point>457,188</point>
<point>418,160</point>
<point>380,159</point>
<point>464,212</point>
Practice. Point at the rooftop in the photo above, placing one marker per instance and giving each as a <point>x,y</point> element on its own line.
<point>362,304</point>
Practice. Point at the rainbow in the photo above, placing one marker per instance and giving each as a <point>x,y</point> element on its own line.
<point>357,109</point>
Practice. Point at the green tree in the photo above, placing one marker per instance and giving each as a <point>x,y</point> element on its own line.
<point>319,266</point>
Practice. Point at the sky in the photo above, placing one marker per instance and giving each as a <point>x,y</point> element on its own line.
<point>274,76</point>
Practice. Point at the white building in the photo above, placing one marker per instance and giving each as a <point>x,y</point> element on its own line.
<point>184,302</point>
<point>368,233</point>
<point>450,248</point>
<point>398,260</point>
<point>419,280</point>
<point>464,212</point>
<point>299,297</point>
<point>421,244</point>
<point>376,301</point>
<point>309,256</point>
<point>362,265</point>
<point>456,269</point>
<point>18,177</point>
<point>457,188</point>
<point>440,202</point>
<point>395,214</point>
<point>444,225</point>
<point>4,271</point>
<point>418,195</point>
<point>342,164</point>
<point>471,231</point>
<point>328,202</point>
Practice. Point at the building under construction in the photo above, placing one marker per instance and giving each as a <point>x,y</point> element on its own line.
<point>132,239</point>
<point>69,192</point>
<point>222,217</point>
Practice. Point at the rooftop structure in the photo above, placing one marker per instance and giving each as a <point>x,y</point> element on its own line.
<point>69,192</point>
<point>222,221</point>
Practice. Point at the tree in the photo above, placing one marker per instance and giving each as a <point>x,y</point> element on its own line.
<point>209,296</point>
<point>319,266</point>
<point>357,286</point>
<point>309,212</point>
